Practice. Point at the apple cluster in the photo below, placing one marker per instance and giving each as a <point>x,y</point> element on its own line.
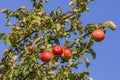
<point>57,50</point>
<point>98,35</point>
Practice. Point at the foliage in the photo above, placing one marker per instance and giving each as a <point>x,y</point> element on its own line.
<point>36,27</point>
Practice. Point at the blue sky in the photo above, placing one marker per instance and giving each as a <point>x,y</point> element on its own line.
<point>106,66</point>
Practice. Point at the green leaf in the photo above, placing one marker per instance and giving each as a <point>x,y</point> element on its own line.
<point>22,8</point>
<point>91,51</point>
<point>86,61</point>
<point>75,65</point>
<point>46,39</point>
<point>10,41</point>
<point>1,35</point>
<point>37,40</point>
<point>5,39</point>
<point>58,27</point>
<point>16,72</point>
<point>9,14</point>
<point>34,60</point>
<point>67,43</point>
<point>46,1</point>
<point>25,69</point>
<point>85,78</point>
<point>84,73</point>
<point>8,24</point>
<point>57,41</point>
<point>90,79</point>
<point>90,42</point>
<point>110,25</point>
<point>89,28</point>
<point>4,10</point>
<point>36,35</point>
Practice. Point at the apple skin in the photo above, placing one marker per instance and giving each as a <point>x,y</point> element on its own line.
<point>32,47</point>
<point>98,35</point>
<point>67,53</point>
<point>57,50</point>
<point>46,56</point>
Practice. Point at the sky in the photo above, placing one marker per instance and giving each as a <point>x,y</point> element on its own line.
<point>106,66</point>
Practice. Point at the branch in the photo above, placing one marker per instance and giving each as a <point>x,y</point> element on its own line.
<point>46,22</point>
<point>81,37</point>
<point>34,71</point>
<point>65,16</point>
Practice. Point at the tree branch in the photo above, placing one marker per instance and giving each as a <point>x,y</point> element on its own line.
<point>46,22</point>
<point>33,71</point>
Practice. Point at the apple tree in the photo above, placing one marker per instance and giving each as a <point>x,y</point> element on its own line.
<point>44,46</point>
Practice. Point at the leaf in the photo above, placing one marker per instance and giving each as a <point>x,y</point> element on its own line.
<point>10,41</point>
<point>22,8</point>
<point>58,27</point>
<point>90,79</point>
<point>91,51</point>
<point>16,72</point>
<point>9,14</point>
<point>1,35</point>
<point>57,41</point>
<point>90,42</point>
<point>25,69</point>
<point>34,60</point>
<point>89,28</point>
<point>46,39</point>
<point>86,61</point>
<point>8,24</point>
<point>110,25</point>
<point>84,73</point>
<point>36,36</point>
<point>67,43</point>
<point>4,10</point>
<point>46,1</point>
<point>71,2</point>
<point>5,39</point>
<point>85,78</point>
<point>37,40</point>
<point>75,65</point>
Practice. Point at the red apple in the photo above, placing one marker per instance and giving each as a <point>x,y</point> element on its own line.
<point>57,50</point>
<point>46,56</point>
<point>67,53</point>
<point>98,35</point>
<point>32,47</point>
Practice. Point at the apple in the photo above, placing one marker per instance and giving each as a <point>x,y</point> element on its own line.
<point>32,47</point>
<point>57,50</point>
<point>98,35</point>
<point>67,53</point>
<point>46,56</point>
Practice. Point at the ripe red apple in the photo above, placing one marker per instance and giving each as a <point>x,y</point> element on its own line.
<point>32,47</point>
<point>46,56</point>
<point>67,53</point>
<point>57,50</point>
<point>98,35</point>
